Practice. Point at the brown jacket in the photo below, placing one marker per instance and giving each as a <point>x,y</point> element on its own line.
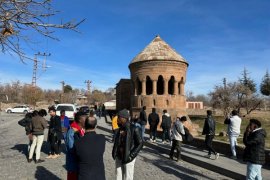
<point>38,125</point>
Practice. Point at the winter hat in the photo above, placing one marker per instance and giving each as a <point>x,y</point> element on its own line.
<point>124,113</point>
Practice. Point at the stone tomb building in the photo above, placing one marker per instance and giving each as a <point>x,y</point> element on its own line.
<point>158,76</point>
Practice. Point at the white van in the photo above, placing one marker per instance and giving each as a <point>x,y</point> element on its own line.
<point>70,110</point>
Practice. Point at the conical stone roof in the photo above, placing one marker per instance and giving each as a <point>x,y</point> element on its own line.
<point>158,50</point>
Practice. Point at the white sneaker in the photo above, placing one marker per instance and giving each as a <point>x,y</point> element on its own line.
<point>163,142</point>
<point>151,140</point>
<point>217,156</point>
<point>154,140</point>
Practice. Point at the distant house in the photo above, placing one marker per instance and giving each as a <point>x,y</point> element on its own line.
<point>194,105</point>
<point>110,105</point>
<point>81,99</point>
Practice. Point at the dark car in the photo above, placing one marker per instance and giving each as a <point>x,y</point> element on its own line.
<point>84,109</point>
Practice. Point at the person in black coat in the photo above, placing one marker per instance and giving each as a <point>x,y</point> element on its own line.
<point>89,152</point>
<point>54,134</point>
<point>127,145</point>
<point>153,120</point>
<point>25,122</point>
<point>143,120</point>
<point>254,153</point>
<point>209,129</point>
<point>166,126</point>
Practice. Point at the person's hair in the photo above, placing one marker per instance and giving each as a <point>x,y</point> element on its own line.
<point>256,122</point>
<point>153,110</point>
<point>34,113</point>
<point>209,112</point>
<point>165,111</point>
<point>52,109</point>
<point>144,107</point>
<point>78,116</point>
<point>62,111</point>
<point>28,115</point>
<point>91,113</point>
<point>234,112</point>
<point>42,112</point>
<point>183,118</point>
<point>90,123</point>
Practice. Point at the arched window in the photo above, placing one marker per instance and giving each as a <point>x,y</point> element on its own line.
<point>149,86</point>
<point>179,88</point>
<point>139,86</point>
<point>171,85</point>
<point>160,85</point>
<point>168,103</point>
<point>154,102</point>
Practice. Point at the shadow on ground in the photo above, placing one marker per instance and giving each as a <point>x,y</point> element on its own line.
<point>43,173</point>
<point>171,167</point>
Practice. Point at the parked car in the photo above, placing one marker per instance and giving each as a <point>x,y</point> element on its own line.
<point>70,110</point>
<point>84,109</point>
<point>19,109</point>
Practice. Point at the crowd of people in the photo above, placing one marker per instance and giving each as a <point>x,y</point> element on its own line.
<point>84,148</point>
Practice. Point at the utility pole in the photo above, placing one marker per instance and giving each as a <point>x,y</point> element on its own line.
<point>34,77</point>
<point>88,86</point>
<point>35,67</point>
<point>63,86</point>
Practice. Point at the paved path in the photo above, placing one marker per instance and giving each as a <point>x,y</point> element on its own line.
<point>150,164</point>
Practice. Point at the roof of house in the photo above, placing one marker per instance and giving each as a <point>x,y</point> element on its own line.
<point>158,49</point>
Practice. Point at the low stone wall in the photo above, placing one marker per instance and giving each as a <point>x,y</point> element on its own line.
<point>221,147</point>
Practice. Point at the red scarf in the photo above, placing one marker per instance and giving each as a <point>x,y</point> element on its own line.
<point>76,126</point>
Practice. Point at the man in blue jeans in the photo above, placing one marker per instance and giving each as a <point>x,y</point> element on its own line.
<point>143,120</point>
<point>234,125</point>
<point>254,153</point>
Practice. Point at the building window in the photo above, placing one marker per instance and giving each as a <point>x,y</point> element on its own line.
<point>154,102</point>
<point>139,86</point>
<point>149,86</point>
<point>171,85</point>
<point>179,88</point>
<point>160,85</point>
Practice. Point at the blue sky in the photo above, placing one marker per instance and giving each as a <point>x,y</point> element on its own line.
<point>217,38</point>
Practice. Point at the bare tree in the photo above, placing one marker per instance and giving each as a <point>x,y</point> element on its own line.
<point>234,95</point>
<point>17,17</point>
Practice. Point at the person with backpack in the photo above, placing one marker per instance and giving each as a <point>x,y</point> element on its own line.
<point>25,122</point>
<point>153,120</point>
<point>177,132</point>
<point>166,126</point>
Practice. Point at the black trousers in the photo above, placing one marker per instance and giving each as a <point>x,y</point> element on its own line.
<point>176,145</point>
<point>153,132</point>
<point>208,143</point>
<point>166,134</point>
<point>55,145</point>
